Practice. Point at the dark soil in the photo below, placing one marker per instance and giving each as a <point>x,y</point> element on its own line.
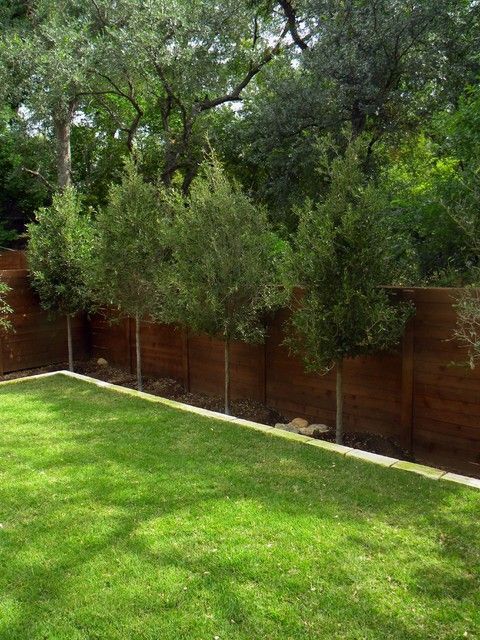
<point>246,409</point>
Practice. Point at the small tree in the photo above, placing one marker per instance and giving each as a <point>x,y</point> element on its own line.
<point>59,254</point>
<point>130,250</point>
<point>5,308</point>
<point>342,255</point>
<point>467,328</point>
<point>225,260</point>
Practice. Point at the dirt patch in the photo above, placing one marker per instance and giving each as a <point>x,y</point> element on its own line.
<point>373,442</point>
<point>246,409</point>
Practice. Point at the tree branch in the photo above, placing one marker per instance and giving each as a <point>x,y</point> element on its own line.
<point>40,177</point>
<point>254,69</point>
<point>291,16</point>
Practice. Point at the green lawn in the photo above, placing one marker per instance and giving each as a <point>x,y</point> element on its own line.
<point>126,519</point>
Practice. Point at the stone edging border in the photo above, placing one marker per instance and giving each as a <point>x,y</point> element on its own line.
<point>348,452</point>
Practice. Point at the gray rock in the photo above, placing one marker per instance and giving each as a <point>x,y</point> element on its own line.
<point>314,430</point>
<point>321,428</point>
<point>102,362</point>
<point>286,427</point>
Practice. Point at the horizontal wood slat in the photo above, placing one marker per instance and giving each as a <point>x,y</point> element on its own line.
<point>38,338</point>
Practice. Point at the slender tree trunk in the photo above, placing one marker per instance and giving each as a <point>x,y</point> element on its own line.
<point>63,151</point>
<point>339,400</point>
<point>227,376</point>
<point>69,341</point>
<point>138,349</point>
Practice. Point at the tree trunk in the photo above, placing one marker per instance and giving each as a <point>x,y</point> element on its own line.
<point>138,353</point>
<point>339,400</point>
<point>69,341</point>
<point>227,376</point>
<point>63,152</point>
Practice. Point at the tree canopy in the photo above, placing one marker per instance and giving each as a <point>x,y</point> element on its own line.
<point>60,244</point>
<point>343,254</point>
<point>225,262</point>
<point>85,84</point>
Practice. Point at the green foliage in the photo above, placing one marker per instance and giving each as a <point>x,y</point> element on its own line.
<point>433,186</point>
<point>467,329</point>
<point>225,259</point>
<point>131,245</point>
<point>415,178</point>
<point>384,67</point>
<point>462,198</point>
<point>7,236</point>
<point>342,256</point>
<point>5,308</point>
<point>59,253</point>
<point>21,194</point>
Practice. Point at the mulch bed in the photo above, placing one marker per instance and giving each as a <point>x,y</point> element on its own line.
<point>246,409</point>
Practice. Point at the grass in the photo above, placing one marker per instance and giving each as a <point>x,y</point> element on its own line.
<point>122,519</point>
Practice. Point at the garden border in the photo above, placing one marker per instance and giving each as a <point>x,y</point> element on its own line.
<point>348,452</point>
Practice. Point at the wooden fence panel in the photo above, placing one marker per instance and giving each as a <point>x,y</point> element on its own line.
<point>38,338</point>
<point>10,259</point>
<point>110,339</point>
<point>372,388</point>
<point>162,351</point>
<point>446,394</point>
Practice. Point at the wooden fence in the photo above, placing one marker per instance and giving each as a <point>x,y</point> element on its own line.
<point>420,395</point>
<point>38,338</point>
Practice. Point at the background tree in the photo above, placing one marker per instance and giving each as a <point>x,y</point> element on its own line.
<point>130,251</point>
<point>59,254</point>
<point>46,51</point>
<point>175,62</point>
<point>382,67</point>
<point>342,256</point>
<point>225,262</point>
<point>432,185</point>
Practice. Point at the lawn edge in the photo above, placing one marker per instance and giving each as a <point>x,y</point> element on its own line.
<point>430,473</point>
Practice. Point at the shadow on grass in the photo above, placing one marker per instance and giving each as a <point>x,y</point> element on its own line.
<point>128,519</point>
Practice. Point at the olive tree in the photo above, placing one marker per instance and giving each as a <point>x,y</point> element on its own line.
<point>467,328</point>
<point>342,255</point>
<point>225,261</point>
<point>130,250</point>
<point>59,254</point>
<point>5,308</point>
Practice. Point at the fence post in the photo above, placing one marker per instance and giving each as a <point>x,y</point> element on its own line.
<point>408,352</point>
<point>128,335</point>
<point>263,372</point>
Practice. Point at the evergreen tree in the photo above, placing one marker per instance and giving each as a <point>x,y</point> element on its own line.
<point>342,257</point>
<point>59,255</point>
<point>225,262</point>
<point>130,250</point>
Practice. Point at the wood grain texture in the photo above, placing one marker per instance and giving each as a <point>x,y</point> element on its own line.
<point>38,338</point>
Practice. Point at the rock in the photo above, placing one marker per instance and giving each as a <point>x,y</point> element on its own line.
<point>286,427</point>
<point>320,428</point>
<point>314,430</point>
<point>299,423</point>
<point>306,431</point>
<point>102,362</point>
